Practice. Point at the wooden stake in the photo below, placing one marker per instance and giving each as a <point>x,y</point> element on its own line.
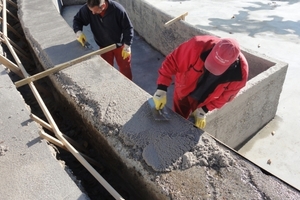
<point>10,13</point>
<point>63,66</point>
<point>47,126</point>
<point>18,52</point>
<point>181,17</point>
<point>4,24</point>
<point>13,30</point>
<point>10,65</point>
<point>58,143</point>
<point>14,45</point>
<point>13,3</point>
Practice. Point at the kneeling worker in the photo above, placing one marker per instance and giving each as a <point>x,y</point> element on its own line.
<point>209,72</point>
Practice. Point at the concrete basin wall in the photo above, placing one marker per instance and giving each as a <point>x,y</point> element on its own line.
<point>172,160</point>
<point>255,105</point>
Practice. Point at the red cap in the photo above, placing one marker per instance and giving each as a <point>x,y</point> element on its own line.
<point>224,53</point>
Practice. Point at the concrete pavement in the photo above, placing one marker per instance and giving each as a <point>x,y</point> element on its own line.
<point>28,167</point>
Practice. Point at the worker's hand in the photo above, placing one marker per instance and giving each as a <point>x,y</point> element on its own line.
<point>126,51</point>
<point>160,99</point>
<point>81,37</point>
<point>200,118</point>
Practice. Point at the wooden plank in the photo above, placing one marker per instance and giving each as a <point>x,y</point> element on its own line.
<point>180,17</point>
<point>63,66</point>
<point>4,20</point>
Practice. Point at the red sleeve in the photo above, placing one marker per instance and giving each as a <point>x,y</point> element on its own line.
<point>178,61</point>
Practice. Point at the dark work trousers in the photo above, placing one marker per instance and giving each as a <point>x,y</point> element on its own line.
<point>124,64</point>
<point>184,106</point>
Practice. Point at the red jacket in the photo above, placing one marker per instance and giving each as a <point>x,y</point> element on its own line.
<point>186,62</point>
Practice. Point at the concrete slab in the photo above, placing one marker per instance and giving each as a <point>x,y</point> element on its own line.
<point>29,169</point>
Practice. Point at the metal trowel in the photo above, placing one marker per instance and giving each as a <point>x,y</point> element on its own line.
<point>88,45</point>
<point>160,115</point>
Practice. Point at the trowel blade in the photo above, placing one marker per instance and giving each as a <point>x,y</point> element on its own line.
<point>88,45</point>
<point>161,114</point>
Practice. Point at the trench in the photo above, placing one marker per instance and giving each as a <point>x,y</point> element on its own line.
<point>72,125</point>
<point>69,122</point>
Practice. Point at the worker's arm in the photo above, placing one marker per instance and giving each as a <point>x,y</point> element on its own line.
<point>178,61</point>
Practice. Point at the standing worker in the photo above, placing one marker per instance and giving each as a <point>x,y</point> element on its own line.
<point>109,24</point>
<point>209,72</point>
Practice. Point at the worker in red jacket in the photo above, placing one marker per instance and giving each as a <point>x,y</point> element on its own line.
<point>209,72</point>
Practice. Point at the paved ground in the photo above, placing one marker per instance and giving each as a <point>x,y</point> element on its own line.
<point>27,163</point>
<point>268,27</point>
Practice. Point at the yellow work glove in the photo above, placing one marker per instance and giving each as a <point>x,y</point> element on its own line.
<point>126,51</point>
<point>81,37</point>
<point>200,118</point>
<point>160,99</point>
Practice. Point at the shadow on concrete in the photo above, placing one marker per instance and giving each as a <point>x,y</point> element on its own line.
<point>26,122</point>
<point>71,50</point>
<point>241,23</point>
<point>34,141</point>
